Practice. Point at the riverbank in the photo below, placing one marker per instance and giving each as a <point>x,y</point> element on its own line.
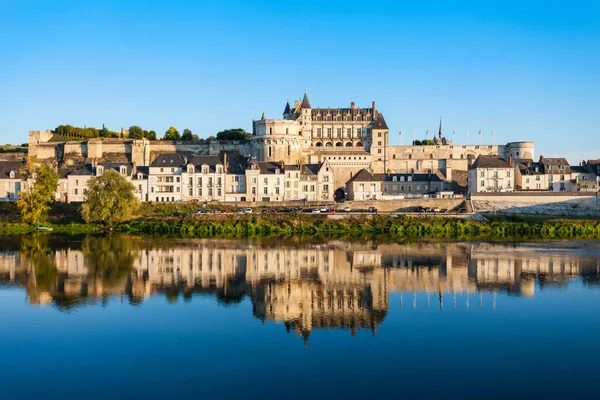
<point>179,221</point>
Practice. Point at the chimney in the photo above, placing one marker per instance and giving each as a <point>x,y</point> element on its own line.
<point>374,109</point>
<point>448,173</point>
<point>352,105</point>
<point>541,159</point>
<point>319,158</point>
<point>510,160</point>
<point>94,162</point>
<point>225,162</point>
<point>134,169</point>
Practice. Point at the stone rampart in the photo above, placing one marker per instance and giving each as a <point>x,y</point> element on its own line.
<point>579,204</point>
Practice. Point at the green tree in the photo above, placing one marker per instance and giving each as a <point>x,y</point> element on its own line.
<point>151,135</point>
<point>416,142</point>
<point>110,199</point>
<point>233,134</point>
<point>172,134</point>
<point>187,135</point>
<point>135,132</point>
<point>427,142</point>
<point>39,187</point>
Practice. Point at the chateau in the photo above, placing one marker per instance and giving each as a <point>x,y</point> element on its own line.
<point>297,145</point>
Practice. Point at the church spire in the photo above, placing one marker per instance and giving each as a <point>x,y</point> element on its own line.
<point>440,132</point>
<point>288,109</point>
<point>263,116</point>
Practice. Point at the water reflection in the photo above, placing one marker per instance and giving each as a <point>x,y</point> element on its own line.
<point>305,286</point>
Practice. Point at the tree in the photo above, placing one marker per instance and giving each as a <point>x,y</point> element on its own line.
<point>427,142</point>
<point>40,183</point>
<point>416,142</point>
<point>172,134</point>
<point>110,199</point>
<point>151,135</point>
<point>187,135</point>
<point>135,132</point>
<point>233,134</point>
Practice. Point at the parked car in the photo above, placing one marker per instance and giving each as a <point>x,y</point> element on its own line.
<point>224,211</point>
<point>273,211</point>
<point>324,209</point>
<point>332,211</point>
<point>373,210</point>
<point>240,211</point>
<point>316,211</point>
<point>436,209</point>
<point>420,209</point>
<point>198,211</point>
<point>347,209</point>
<point>248,211</point>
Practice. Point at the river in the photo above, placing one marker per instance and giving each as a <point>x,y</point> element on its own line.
<point>122,317</point>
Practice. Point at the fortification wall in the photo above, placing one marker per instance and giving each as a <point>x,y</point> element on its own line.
<point>582,204</point>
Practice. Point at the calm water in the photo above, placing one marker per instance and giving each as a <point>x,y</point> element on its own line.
<point>123,317</point>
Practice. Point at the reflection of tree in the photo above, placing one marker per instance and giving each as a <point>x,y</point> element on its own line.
<point>42,275</point>
<point>109,259</point>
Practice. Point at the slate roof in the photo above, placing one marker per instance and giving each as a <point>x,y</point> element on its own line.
<point>141,170</point>
<point>305,102</point>
<point>267,167</point>
<point>363,176</point>
<point>211,161</point>
<point>168,160</point>
<point>310,169</point>
<point>490,161</point>
<point>117,166</point>
<point>86,170</point>
<point>555,165</point>
<point>414,177</point>
<point>379,122</point>
<point>7,166</point>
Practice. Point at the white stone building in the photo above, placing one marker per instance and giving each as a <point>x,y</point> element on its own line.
<point>491,174</point>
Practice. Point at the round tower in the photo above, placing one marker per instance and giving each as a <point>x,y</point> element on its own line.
<point>519,150</point>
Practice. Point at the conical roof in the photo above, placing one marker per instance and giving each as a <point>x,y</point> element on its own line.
<point>288,108</point>
<point>305,102</point>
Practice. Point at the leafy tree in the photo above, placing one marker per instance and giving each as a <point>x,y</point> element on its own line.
<point>416,142</point>
<point>151,135</point>
<point>210,139</point>
<point>40,183</point>
<point>135,132</point>
<point>110,199</point>
<point>427,142</point>
<point>233,134</point>
<point>187,135</point>
<point>172,134</point>
<point>195,138</point>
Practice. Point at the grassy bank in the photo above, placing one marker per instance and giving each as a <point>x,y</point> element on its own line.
<point>175,220</point>
<point>394,227</point>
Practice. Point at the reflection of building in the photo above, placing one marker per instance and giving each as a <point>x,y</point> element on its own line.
<point>332,285</point>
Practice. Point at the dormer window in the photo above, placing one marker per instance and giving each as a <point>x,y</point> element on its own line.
<point>276,171</point>
<point>205,169</point>
<point>219,169</point>
<point>123,170</point>
<point>394,178</point>
<point>190,169</point>
<point>401,179</point>
<point>99,170</point>
<point>410,178</point>
<point>139,176</point>
<point>12,174</point>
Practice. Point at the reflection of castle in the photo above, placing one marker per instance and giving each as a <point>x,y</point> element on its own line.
<point>334,285</point>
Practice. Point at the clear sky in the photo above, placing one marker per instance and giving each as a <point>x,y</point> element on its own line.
<point>528,69</point>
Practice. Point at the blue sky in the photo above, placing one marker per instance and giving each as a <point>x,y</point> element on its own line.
<point>529,69</point>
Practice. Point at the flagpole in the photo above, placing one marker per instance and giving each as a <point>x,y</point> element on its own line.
<point>467,133</point>
<point>414,136</point>
<point>400,137</point>
<point>480,137</point>
<point>493,136</point>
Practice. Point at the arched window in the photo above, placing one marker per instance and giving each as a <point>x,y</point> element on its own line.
<point>393,156</point>
<point>270,131</point>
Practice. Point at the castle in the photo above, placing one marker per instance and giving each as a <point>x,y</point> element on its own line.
<point>349,139</point>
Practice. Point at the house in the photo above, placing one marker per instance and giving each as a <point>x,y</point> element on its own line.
<point>265,181</point>
<point>164,178</point>
<point>11,180</point>
<point>77,181</point>
<point>558,171</point>
<point>412,185</point>
<point>204,179</point>
<point>582,180</point>
<point>364,186</point>
<point>530,175</point>
<point>491,173</point>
